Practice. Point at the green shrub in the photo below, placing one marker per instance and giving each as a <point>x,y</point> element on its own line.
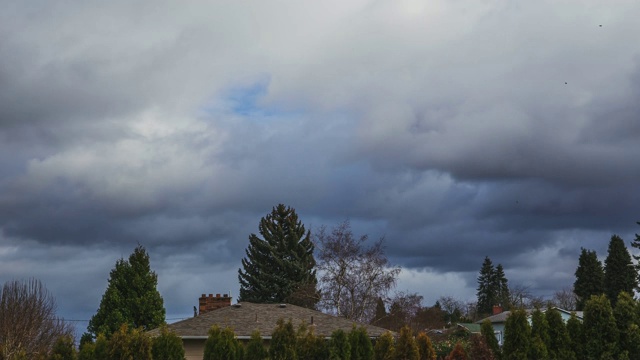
<point>167,346</point>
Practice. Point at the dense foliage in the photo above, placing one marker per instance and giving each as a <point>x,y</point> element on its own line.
<point>131,297</point>
<point>589,278</point>
<point>221,345</point>
<point>167,346</point>
<point>279,267</point>
<point>493,288</point>
<point>619,271</point>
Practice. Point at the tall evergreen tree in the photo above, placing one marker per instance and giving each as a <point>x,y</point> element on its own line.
<point>406,347</point>
<point>283,341</point>
<point>131,297</point>
<point>361,346</point>
<point>599,329</point>
<point>539,336</point>
<point>486,329</point>
<point>635,243</point>
<point>589,278</point>
<point>517,336</point>
<point>384,347</point>
<point>339,346</point>
<point>619,271</point>
<point>502,285</point>
<point>279,267</point>
<point>576,336</point>
<point>625,315</point>
<point>487,289</point>
<point>558,347</point>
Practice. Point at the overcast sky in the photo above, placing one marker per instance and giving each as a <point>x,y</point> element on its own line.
<point>456,129</point>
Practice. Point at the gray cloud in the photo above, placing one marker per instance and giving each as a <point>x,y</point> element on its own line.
<point>455,130</point>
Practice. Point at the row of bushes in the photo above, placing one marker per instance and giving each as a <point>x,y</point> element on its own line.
<point>286,344</point>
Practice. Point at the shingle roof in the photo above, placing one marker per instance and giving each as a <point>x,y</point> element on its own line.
<point>246,317</point>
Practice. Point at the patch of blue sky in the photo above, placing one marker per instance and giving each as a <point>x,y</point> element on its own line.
<point>247,100</point>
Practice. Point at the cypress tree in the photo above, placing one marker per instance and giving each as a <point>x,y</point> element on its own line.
<point>283,341</point>
<point>486,329</point>
<point>384,347</point>
<point>425,347</point>
<point>255,347</point>
<point>619,272</point>
<point>487,288</point>
<point>599,329</point>
<point>361,347</point>
<point>625,316</point>
<point>589,278</point>
<point>279,267</point>
<point>539,335</point>
<point>406,347</point>
<point>339,346</point>
<point>221,345</point>
<point>167,346</point>
<point>131,297</point>
<point>517,336</point>
<point>576,336</point>
<point>558,347</point>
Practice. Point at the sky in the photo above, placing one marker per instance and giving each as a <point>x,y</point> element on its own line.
<point>455,129</point>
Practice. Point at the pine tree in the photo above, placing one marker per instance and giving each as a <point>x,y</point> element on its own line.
<point>619,271</point>
<point>487,288</point>
<point>559,341</point>
<point>131,297</point>
<point>280,266</point>
<point>589,278</point>
<point>517,335</point>
<point>502,285</point>
<point>635,243</point>
<point>599,328</point>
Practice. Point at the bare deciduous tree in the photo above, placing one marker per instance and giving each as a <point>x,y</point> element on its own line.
<point>353,276</point>
<point>521,297</point>
<point>565,299</point>
<point>28,324</point>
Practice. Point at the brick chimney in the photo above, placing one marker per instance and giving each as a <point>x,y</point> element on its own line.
<point>209,303</point>
<point>497,309</point>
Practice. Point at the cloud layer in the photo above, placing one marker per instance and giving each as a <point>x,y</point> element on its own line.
<point>455,129</point>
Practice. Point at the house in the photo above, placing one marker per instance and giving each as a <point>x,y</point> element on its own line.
<point>244,318</point>
<point>499,319</point>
